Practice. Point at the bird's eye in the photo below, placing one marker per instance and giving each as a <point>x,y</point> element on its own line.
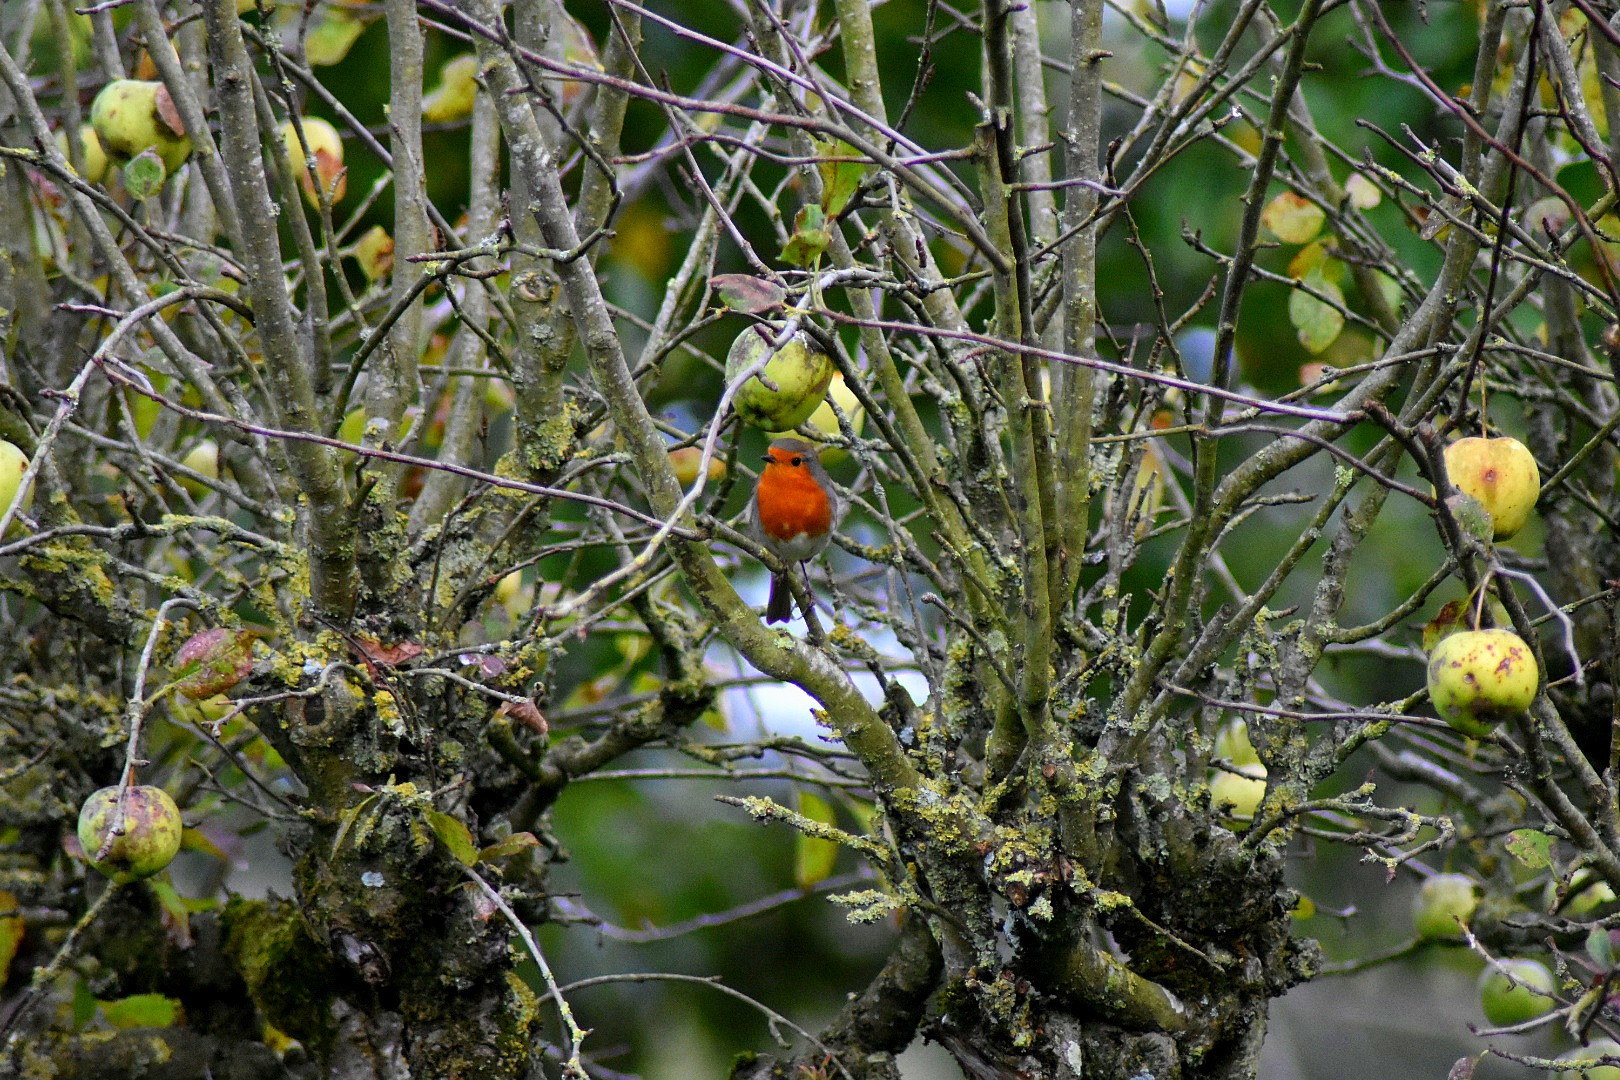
<point>798,461</point>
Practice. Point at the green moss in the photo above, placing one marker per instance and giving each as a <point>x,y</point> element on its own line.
<point>289,977</point>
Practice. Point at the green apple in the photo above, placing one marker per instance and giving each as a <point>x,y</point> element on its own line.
<point>327,146</point>
<point>204,459</point>
<point>134,115</point>
<point>1501,474</point>
<point>1515,990</point>
<point>1241,790</point>
<point>1586,893</point>
<point>1232,743</point>
<point>799,371</point>
<point>1596,1050</point>
<point>1442,901</point>
<point>148,841</point>
<point>13,463</point>
<point>1478,678</point>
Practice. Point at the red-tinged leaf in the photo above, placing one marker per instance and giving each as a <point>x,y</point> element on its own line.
<point>515,844</point>
<point>1463,1068</point>
<point>168,113</point>
<point>387,655</point>
<point>527,713</point>
<point>213,661</point>
<point>748,294</point>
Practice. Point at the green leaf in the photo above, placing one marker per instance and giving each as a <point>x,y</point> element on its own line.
<point>1292,218</point>
<point>454,836</point>
<point>174,910</point>
<point>143,1011</point>
<point>813,858</point>
<point>144,174</point>
<point>1318,324</point>
<point>1600,948</point>
<point>809,240</point>
<point>840,176</point>
<point>1533,849</point>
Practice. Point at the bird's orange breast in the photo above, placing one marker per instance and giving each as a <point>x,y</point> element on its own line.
<point>791,503</point>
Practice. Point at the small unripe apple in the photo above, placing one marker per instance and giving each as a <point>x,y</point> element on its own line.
<point>133,115</point>
<point>327,147</point>
<point>202,458</point>
<point>1586,893</point>
<point>824,422</point>
<point>1525,995</point>
<point>149,839</point>
<point>1501,474</point>
<point>1241,791</point>
<point>799,371</point>
<point>1442,901</point>
<point>1479,678</point>
<point>1596,1050</point>
<point>685,461</point>
<point>13,463</point>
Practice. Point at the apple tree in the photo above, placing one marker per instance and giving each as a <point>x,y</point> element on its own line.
<point>1224,394</point>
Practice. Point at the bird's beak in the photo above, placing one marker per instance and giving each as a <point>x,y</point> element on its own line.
<point>767,459</point>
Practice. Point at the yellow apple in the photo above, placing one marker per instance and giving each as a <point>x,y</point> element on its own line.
<point>1241,790</point>
<point>95,158</point>
<point>1515,990</point>
<point>824,422</point>
<point>202,458</point>
<point>1596,1050</point>
<point>1479,678</point>
<point>685,461</point>
<point>1501,474</point>
<point>13,463</point>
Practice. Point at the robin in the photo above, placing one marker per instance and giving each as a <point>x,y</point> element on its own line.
<point>795,509</point>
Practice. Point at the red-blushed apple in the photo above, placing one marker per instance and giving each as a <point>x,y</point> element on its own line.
<point>1501,474</point>
<point>148,841</point>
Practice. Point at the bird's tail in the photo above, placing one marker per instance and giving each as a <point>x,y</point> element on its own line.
<point>780,608</point>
